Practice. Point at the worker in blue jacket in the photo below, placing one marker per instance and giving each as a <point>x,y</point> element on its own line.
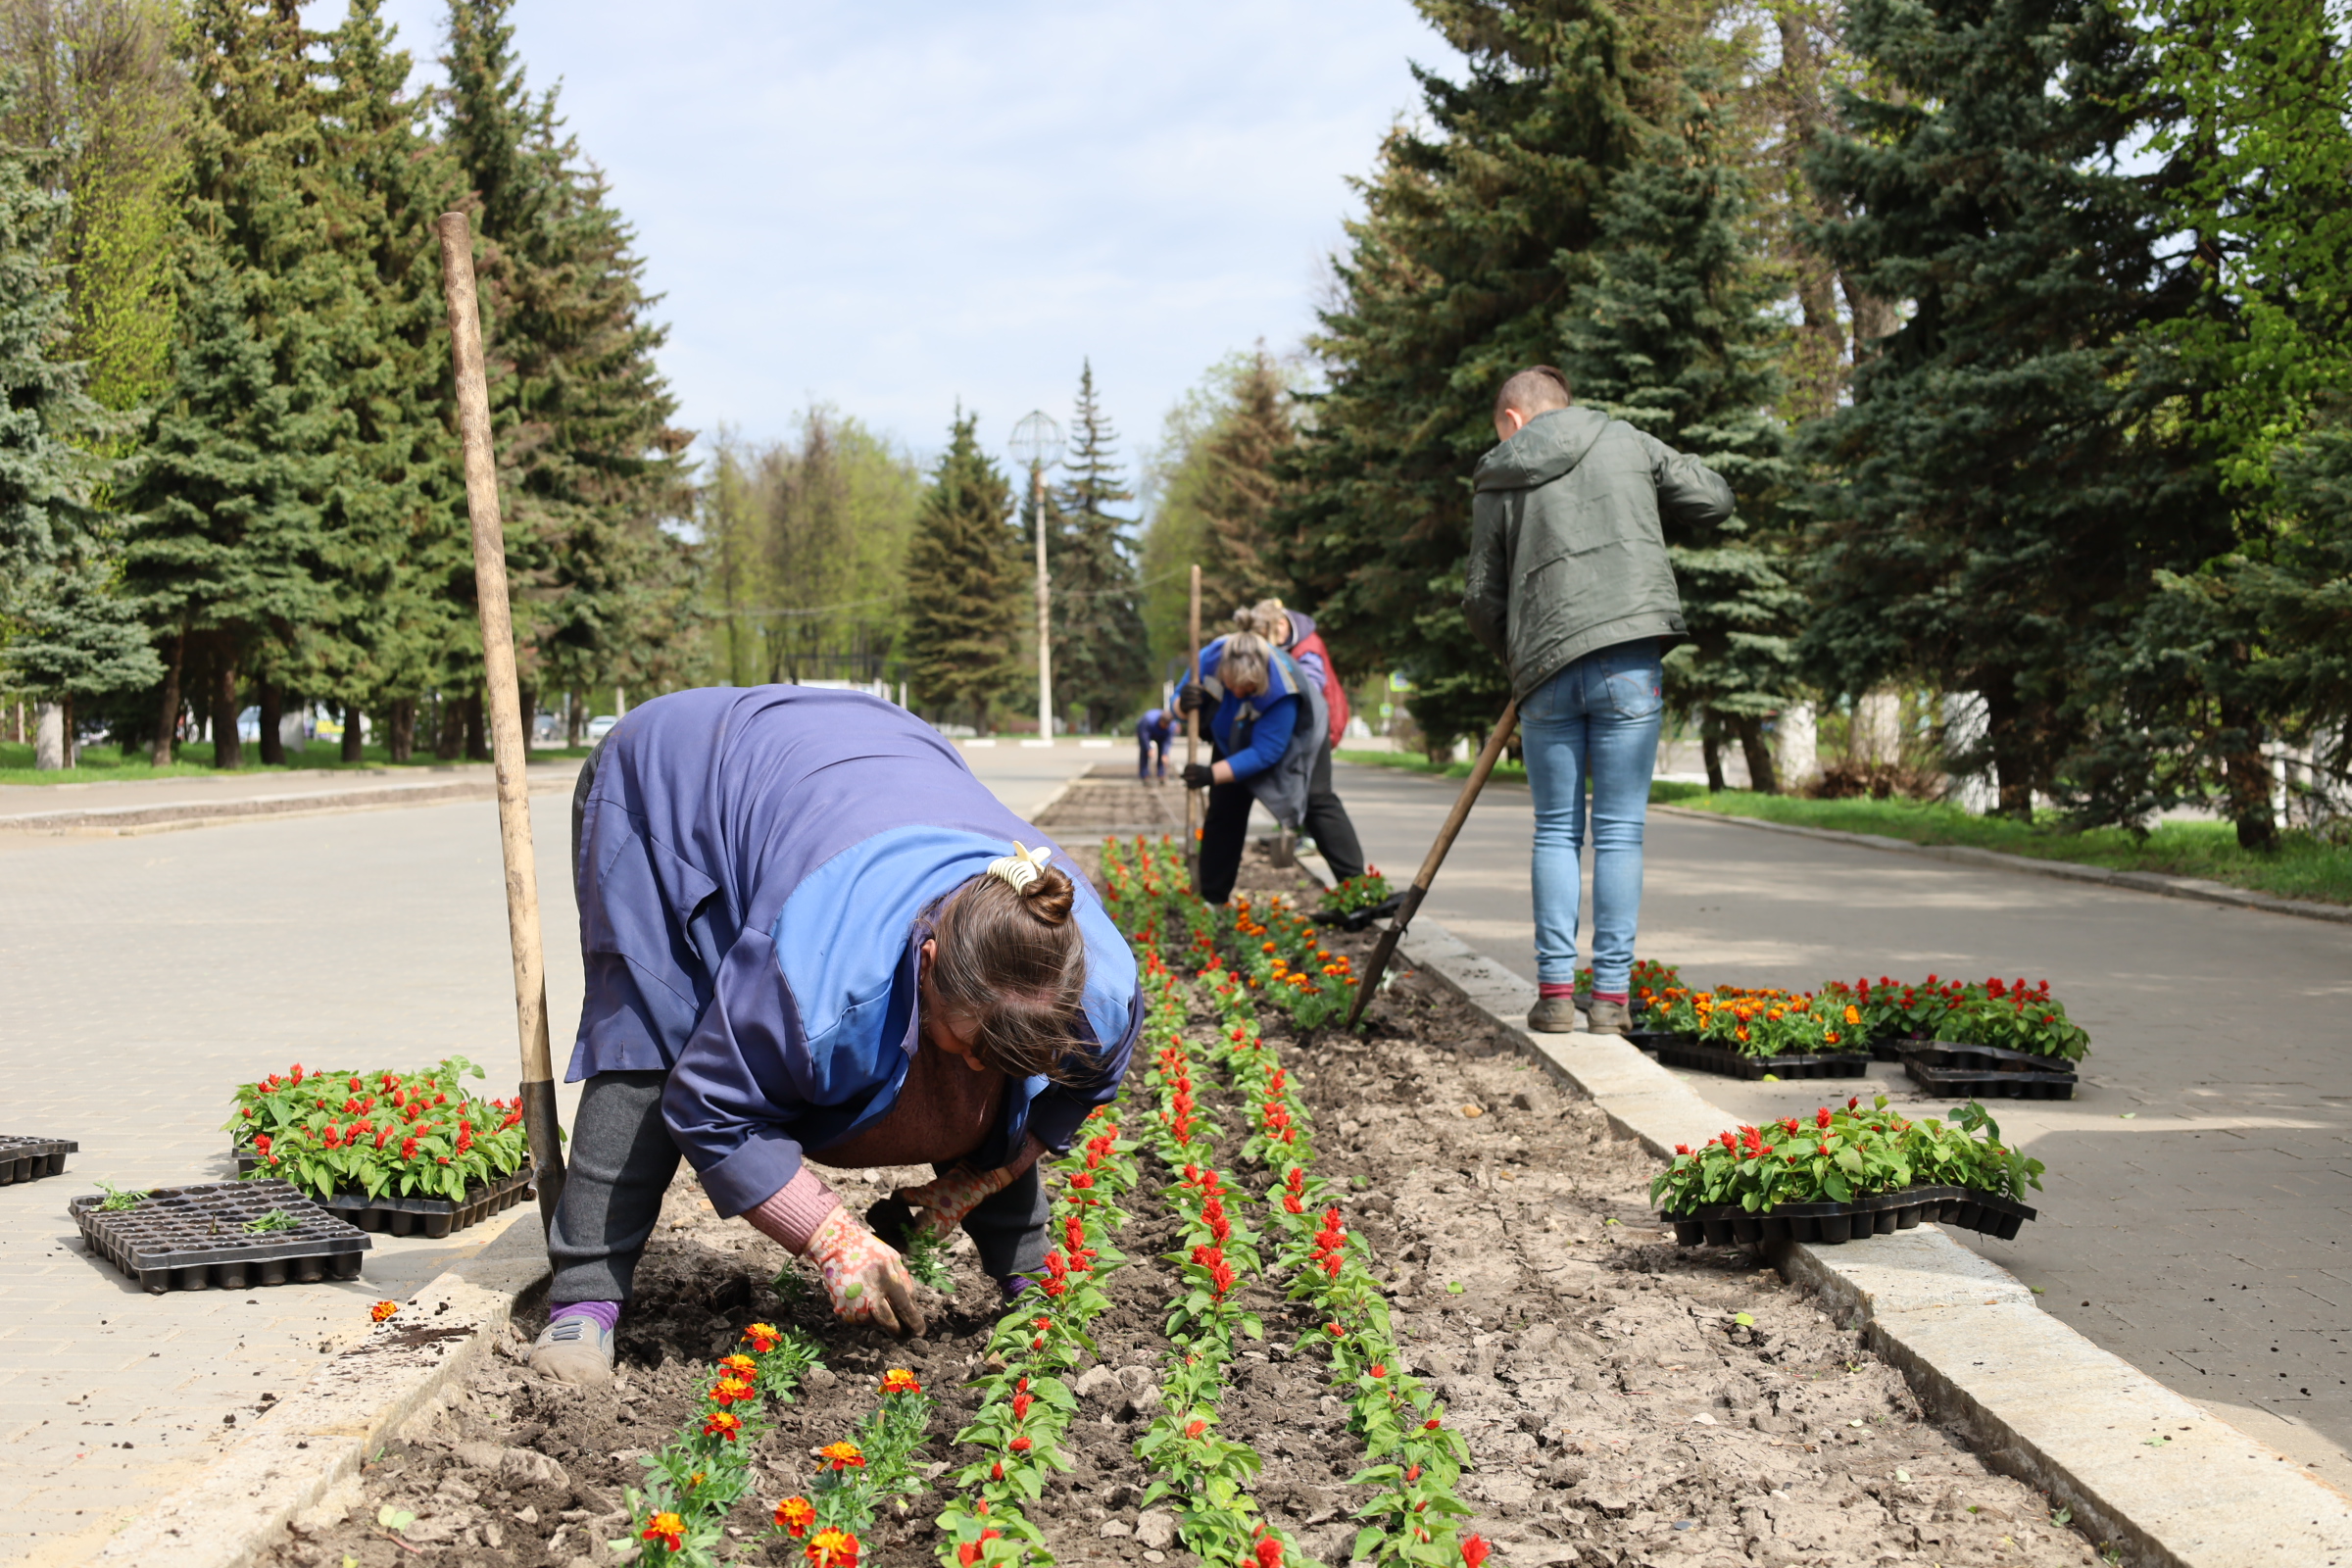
<point>809,931</point>
<point>1267,722</point>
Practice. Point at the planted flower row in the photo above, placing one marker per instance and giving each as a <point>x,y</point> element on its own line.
<point>706,1470</point>
<point>1026,1405</point>
<point>381,1133</point>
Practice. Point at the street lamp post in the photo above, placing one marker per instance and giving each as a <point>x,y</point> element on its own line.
<point>1037,442</point>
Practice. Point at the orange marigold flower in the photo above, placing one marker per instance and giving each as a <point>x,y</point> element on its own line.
<point>794,1516</point>
<point>900,1380</point>
<point>843,1455</point>
<point>669,1529</point>
<point>765,1337</point>
<point>832,1548</point>
<point>383,1310</point>
<point>739,1365</point>
<point>725,1425</point>
<point>726,1391</point>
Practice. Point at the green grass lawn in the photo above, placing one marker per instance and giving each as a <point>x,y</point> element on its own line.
<point>2304,867</point>
<point>1415,763</point>
<point>103,764</point>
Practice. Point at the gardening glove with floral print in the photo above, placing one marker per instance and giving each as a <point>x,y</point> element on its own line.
<point>864,1279</point>
<point>946,1200</point>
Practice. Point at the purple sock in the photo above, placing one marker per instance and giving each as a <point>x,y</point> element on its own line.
<point>604,1315</point>
<point>1014,1286</point>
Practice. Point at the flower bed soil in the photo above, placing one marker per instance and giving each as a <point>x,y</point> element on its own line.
<point>26,1159</point>
<point>194,1238</point>
<point>1680,1051</point>
<point>1617,1410</point>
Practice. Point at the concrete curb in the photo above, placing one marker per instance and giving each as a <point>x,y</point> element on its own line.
<point>2142,1468</point>
<point>312,1445</point>
<point>2170,887</point>
<point>130,820</point>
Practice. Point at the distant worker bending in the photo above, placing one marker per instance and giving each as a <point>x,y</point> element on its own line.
<point>1152,734</point>
<point>1266,720</point>
<point>1327,820</point>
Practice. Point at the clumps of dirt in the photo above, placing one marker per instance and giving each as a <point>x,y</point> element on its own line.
<point>1618,1407</point>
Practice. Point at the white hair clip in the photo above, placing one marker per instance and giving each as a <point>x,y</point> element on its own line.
<point>1022,866</point>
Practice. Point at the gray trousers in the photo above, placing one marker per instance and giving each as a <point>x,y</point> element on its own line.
<point>622,1159</point>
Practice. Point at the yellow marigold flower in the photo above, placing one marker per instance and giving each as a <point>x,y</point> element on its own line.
<point>843,1455</point>
<point>669,1529</point>
<point>832,1548</point>
<point>900,1380</point>
<point>1853,1014</point>
<point>794,1516</point>
<point>383,1310</point>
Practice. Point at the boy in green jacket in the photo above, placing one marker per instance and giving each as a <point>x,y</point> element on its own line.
<point>1570,585</point>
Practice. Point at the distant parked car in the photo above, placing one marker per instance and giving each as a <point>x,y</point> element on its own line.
<point>601,727</point>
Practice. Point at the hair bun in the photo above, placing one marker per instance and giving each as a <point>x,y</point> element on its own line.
<point>1050,896</point>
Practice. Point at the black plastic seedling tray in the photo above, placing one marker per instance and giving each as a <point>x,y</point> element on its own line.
<point>194,1238</point>
<point>433,1217</point>
<point>26,1159</point>
<point>1834,1224</point>
<point>1680,1051</point>
<point>1988,1072</point>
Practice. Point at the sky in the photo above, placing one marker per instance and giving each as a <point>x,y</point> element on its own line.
<point>895,209</point>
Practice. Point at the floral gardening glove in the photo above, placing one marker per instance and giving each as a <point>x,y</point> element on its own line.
<point>946,1200</point>
<point>864,1279</point>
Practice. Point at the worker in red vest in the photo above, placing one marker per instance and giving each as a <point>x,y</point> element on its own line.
<point>1326,820</point>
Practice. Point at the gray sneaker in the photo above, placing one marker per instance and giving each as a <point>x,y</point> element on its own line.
<point>1607,1018</point>
<point>1554,1016</point>
<point>576,1350</point>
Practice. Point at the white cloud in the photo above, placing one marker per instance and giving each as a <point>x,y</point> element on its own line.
<point>890,207</point>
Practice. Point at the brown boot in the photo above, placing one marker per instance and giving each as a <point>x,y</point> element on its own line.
<point>1607,1018</point>
<point>1554,1016</point>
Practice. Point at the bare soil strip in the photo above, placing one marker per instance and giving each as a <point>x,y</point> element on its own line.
<point>1618,1408</point>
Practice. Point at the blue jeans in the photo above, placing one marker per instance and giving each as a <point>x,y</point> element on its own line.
<point>1599,718</point>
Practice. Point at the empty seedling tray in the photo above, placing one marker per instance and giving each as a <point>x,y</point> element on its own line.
<point>1683,1051</point>
<point>1988,1072</point>
<point>433,1217</point>
<point>194,1238</point>
<point>26,1159</point>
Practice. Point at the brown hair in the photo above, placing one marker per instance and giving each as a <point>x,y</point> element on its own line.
<point>1538,389</point>
<point>1267,618</point>
<point>1015,964</point>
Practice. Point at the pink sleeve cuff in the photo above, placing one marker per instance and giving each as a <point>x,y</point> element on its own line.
<point>792,1215</point>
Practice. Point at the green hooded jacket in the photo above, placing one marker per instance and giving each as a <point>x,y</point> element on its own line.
<point>1566,551</point>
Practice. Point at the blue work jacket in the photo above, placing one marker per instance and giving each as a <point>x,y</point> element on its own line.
<point>755,866</point>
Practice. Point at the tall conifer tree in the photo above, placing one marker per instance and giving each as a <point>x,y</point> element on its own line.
<point>1240,487</point>
<point>964,585</point>
<point>1100,662</point>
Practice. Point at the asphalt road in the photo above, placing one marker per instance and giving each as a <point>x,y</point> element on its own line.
<point>2193,1220</point>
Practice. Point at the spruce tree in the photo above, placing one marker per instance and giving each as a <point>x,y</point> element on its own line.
<point>1668,331</point>
<point>964,585</point>
<point>64,632</point>
<point>396,518</point>
<point>1455,276</point>
<point>2014,469</point>
<point>228,543</point>
<point>1240,486</point>
<point>1101,664</point>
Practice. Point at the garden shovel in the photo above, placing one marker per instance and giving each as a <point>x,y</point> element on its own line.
<point>1386,948</point>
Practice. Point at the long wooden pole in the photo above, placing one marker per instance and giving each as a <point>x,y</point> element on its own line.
<point>1191,744</point>
<point>1386,948</point>
<point>506,712</point>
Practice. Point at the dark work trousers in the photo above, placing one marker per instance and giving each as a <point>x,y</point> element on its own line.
<point>1327,822</point>
<point>1225,830</point>
<point>623,1160</point>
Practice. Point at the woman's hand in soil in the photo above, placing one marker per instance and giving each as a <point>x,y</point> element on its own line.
<point>946,1200</point>
<point>864,1279</point>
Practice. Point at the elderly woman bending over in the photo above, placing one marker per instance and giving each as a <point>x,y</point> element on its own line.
<point>1267,721</point>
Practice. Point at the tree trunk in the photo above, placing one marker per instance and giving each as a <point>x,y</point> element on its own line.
<point>401,744</point>
<point>354,736</point>
<point>271,698</point>
<point>576,719</point>
<point>449,730</point>
<point>48,736</point>
<point>1760,775</point>
<point>477,745</point>
<point>228,751</point>
<point>2004,715</point>
<point>2246,780</point>
<point>530,716</point>
<point>1710,747</point>
<point>167,718</point>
